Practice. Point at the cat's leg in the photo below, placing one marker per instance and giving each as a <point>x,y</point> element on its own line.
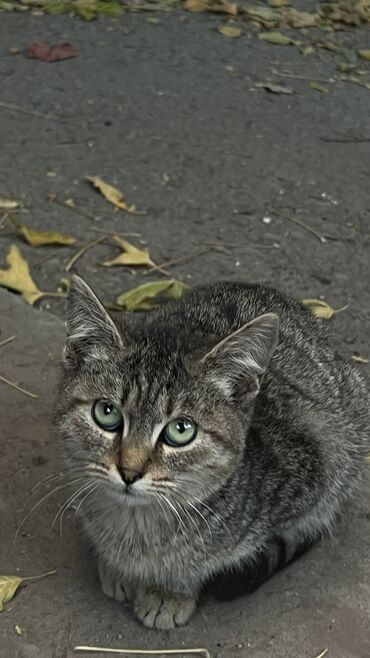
<point>113,584</point>
<point>163,610</point>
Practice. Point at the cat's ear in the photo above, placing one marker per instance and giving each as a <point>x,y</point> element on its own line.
<point>237,363</point>
<point>91,332</point>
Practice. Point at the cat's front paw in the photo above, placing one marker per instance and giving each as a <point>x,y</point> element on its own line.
<point>113,584</point>
<point>163,610</point>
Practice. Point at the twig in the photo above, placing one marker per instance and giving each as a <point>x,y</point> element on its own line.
<point>153,652</point>
<point>318,235</point>
<point>81,252</point>
<point>54,199</point>
<point>18,388</point>
<point>301,77</point>
<point>322,654</point>
<point>176,261</point>
<point>16,108</point>
<point>7,340</point>
<point>44,260</point>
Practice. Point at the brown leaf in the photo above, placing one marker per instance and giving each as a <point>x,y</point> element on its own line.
<point>38,238</point>
<point>17,277</point>
<point>141,298</point>
<point>40,50</point>
<point>321,309</point>
<point>111,194</point>
<point>197,6</point>
<point>131,255</point>
<point>10,584</point>
<point>229,31</point>
<point>278,38</point>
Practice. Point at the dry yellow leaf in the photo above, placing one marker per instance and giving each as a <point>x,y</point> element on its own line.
<point>8,204</point>
<point>17,277</point>
<point>196,6</point>
<point>130,256</point>
<point>364,54</point>
<point>143,298</point>
<point>278,38</point>
<point>359,359</point>
<point>279,3</point>
<point>223,7</point>
<point>298,19</point>
<point>110,193</point>
<point>38,238</point>
<point>10,584</point>
<point>321,309</point>
<point>229,31</point>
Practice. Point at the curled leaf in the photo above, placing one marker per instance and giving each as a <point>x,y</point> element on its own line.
<point>321,309</point>
<point>141,298</point>
<point>10,584</point>
<point>110,193</point>
<point>278,38</point>
<point>17,277</point>
<point>8,204</point>
<point>40,50</point>
<point>229,31</point>
<point>38,238</point>
<point>131,255</point>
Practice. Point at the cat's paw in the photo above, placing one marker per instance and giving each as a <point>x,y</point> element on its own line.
<point>163,611</point>
<point>113,585</point>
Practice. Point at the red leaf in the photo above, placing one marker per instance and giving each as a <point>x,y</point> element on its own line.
<point>40,50</point>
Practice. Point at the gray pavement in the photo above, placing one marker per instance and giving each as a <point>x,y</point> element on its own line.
<point>157,110</point>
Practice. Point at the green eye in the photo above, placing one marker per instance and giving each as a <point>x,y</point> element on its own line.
<point>106,415</point>
<point>179,432</point>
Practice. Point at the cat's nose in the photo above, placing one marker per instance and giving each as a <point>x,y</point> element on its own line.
<point>129,476</point>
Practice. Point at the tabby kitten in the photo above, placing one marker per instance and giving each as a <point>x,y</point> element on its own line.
<point>205,432</point>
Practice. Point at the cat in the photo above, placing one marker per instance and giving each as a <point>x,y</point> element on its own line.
<point>216,428</point>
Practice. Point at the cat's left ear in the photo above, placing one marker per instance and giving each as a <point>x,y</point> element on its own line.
<point>237,363</point>
<point>91,332</point>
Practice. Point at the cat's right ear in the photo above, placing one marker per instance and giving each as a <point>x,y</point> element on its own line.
<point>91,332</point>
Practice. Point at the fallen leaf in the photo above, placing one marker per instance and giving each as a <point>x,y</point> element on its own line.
<point>223,7</point>
<point>40,50</point>
<point>298,19</point>
<point>321,309</point>
<point>130,256</point>
<point>110,193</point>
<point>38,238</point>
<point>273,88</point>
<point>8,204</point>
<point>10,584</point>
<point>263,15</point>
<point>197,6</point>
<point>17,277</point>
<point>153,20</point>
<point>359,359</point>
<point>229,31</point>
<point>279,3</point>
<point>278,38</point>
<point>18,629</point>
<point>364,54</point>
<point>141,298</point>
<point>319,87</point>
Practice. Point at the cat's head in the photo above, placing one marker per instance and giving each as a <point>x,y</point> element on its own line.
<point>150,412</point>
